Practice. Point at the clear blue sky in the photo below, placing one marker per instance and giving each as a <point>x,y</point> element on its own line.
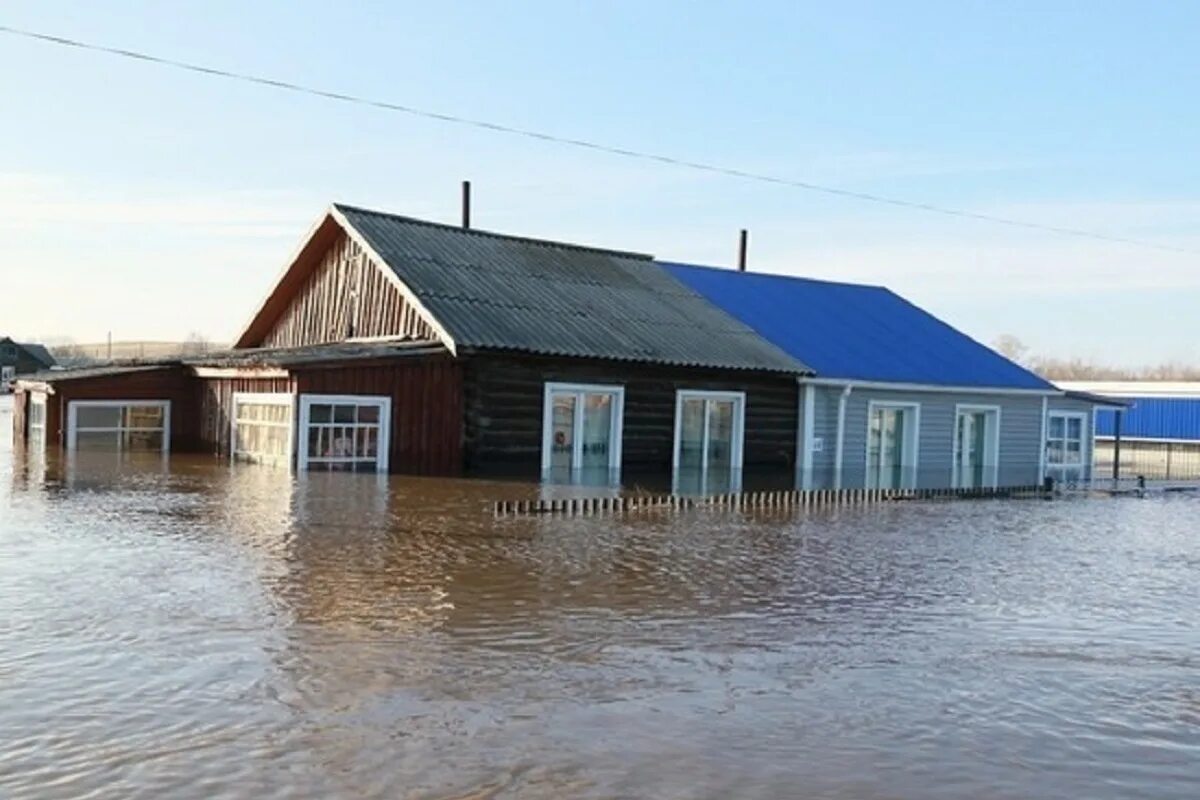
<point>154,203</point>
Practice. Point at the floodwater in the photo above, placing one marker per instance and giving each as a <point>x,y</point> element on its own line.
<point>201,631</point>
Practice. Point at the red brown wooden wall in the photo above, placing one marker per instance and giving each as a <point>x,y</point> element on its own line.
<point>427,408</point>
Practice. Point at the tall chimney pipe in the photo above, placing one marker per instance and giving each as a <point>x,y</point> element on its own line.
<point>466,204</point>
<point>742,250</point>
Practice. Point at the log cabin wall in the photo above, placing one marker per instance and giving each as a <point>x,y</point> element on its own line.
<point>167,383</point>
<point>504,397</point>
<point>427,407</point>
<point>216,406</point>
<point>345,296</point>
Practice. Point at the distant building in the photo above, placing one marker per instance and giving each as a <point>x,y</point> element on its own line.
<point>1159,431</point>
<point>18,358</point>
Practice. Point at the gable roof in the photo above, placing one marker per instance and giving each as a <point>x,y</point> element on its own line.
<point>481,290</point>
<point>37,352</point>
<point>856,332</point>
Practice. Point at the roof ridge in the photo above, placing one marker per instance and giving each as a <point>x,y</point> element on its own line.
<point>781,276</point>
<point>494,234</point>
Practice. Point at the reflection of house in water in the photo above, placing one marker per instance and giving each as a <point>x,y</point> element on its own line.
<point>393,344</point>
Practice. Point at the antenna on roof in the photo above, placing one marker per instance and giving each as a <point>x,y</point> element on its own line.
<point>742,241</point>
<point>466,204</point>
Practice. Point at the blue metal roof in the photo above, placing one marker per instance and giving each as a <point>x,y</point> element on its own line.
<point>1175,418</point>
<point>855,332</point>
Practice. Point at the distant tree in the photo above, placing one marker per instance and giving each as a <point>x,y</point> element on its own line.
<point>195,344</point>
<point>1011,347</point>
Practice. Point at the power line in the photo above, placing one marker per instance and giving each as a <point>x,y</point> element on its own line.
<point>586,144</point>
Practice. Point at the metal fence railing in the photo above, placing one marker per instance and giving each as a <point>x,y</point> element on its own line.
<point>1153,460</point>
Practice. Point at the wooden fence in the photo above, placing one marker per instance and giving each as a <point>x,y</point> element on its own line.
<point>782,500</point>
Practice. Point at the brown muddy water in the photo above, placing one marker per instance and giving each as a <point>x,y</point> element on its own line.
<point>201,631</point>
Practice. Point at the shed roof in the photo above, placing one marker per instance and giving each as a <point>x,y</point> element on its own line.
<point>491,291</point>
<point>855,332</point>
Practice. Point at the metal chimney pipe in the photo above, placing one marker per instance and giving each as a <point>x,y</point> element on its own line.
<point>466,204</point>
<point>742,250</point>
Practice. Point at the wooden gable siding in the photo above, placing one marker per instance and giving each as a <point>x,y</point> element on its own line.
<point>346,295</point>
<point>216,406</point>
<point>427,407</point>
<point>504,407</point>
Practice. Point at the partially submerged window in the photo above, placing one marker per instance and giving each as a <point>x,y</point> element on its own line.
<point>892,430</point>
<point>344,433</point>
<point>119,425</point>
<point>581,432</point>
<point>262,428</point>
<point>36,420</point>
<point>709,431</point>
<point>1065,450</point>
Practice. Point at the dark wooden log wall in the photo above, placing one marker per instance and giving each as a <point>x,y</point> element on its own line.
<point>168,383</point>
<point>504,405</point>
<point>346,296</point>
<point>216,406</point>
<point>427,407</point>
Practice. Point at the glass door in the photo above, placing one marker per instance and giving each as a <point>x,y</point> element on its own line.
<point>708,447</point>
<point>975,448</point>
<point>891,446</point>
<point>582,435</point>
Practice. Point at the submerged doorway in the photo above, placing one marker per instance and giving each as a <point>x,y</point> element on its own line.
<point>976,447</point>
<point>709,431</point>
<point>581,433</point>
<point>892,445</point>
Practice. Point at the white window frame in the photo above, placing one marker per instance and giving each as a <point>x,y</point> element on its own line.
<point>739,426</point>
<point>73,429</point>
<point>8,374</point>
<point>1059,471</point>
<point>36,399</point>
<point>617,428</point>
<point>383,445</point>
<point>263,398</point>
<point>991,445</point>
<point>911,461</point>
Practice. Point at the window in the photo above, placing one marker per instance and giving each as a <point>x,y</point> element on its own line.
<point>976,446</point>
<point>347,433</point>
<point>119,425</point>
<point>7,375</point>
<point>36,438</point>
<point>892,430</point>
<point>1065,451</point>
<point>581,432</point>
<point>262,428</point>
<point>709,429</point>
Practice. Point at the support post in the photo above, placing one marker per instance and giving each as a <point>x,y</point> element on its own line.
<point>1116,471</point>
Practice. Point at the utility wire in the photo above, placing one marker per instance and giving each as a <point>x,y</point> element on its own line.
<point>586,144</point>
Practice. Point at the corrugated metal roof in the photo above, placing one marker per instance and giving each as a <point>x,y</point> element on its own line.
<point>1174,418</point>
<point>491,291</point>
<point>856,332</point>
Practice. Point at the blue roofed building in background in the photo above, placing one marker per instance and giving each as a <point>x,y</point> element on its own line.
<point>901,399</point>
<point>1159,430</point>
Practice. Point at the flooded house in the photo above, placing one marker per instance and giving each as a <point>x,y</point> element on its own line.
<point>391,344</point>
<point>21,358</point>
<point>394,344</point>
<point>899,398</point>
